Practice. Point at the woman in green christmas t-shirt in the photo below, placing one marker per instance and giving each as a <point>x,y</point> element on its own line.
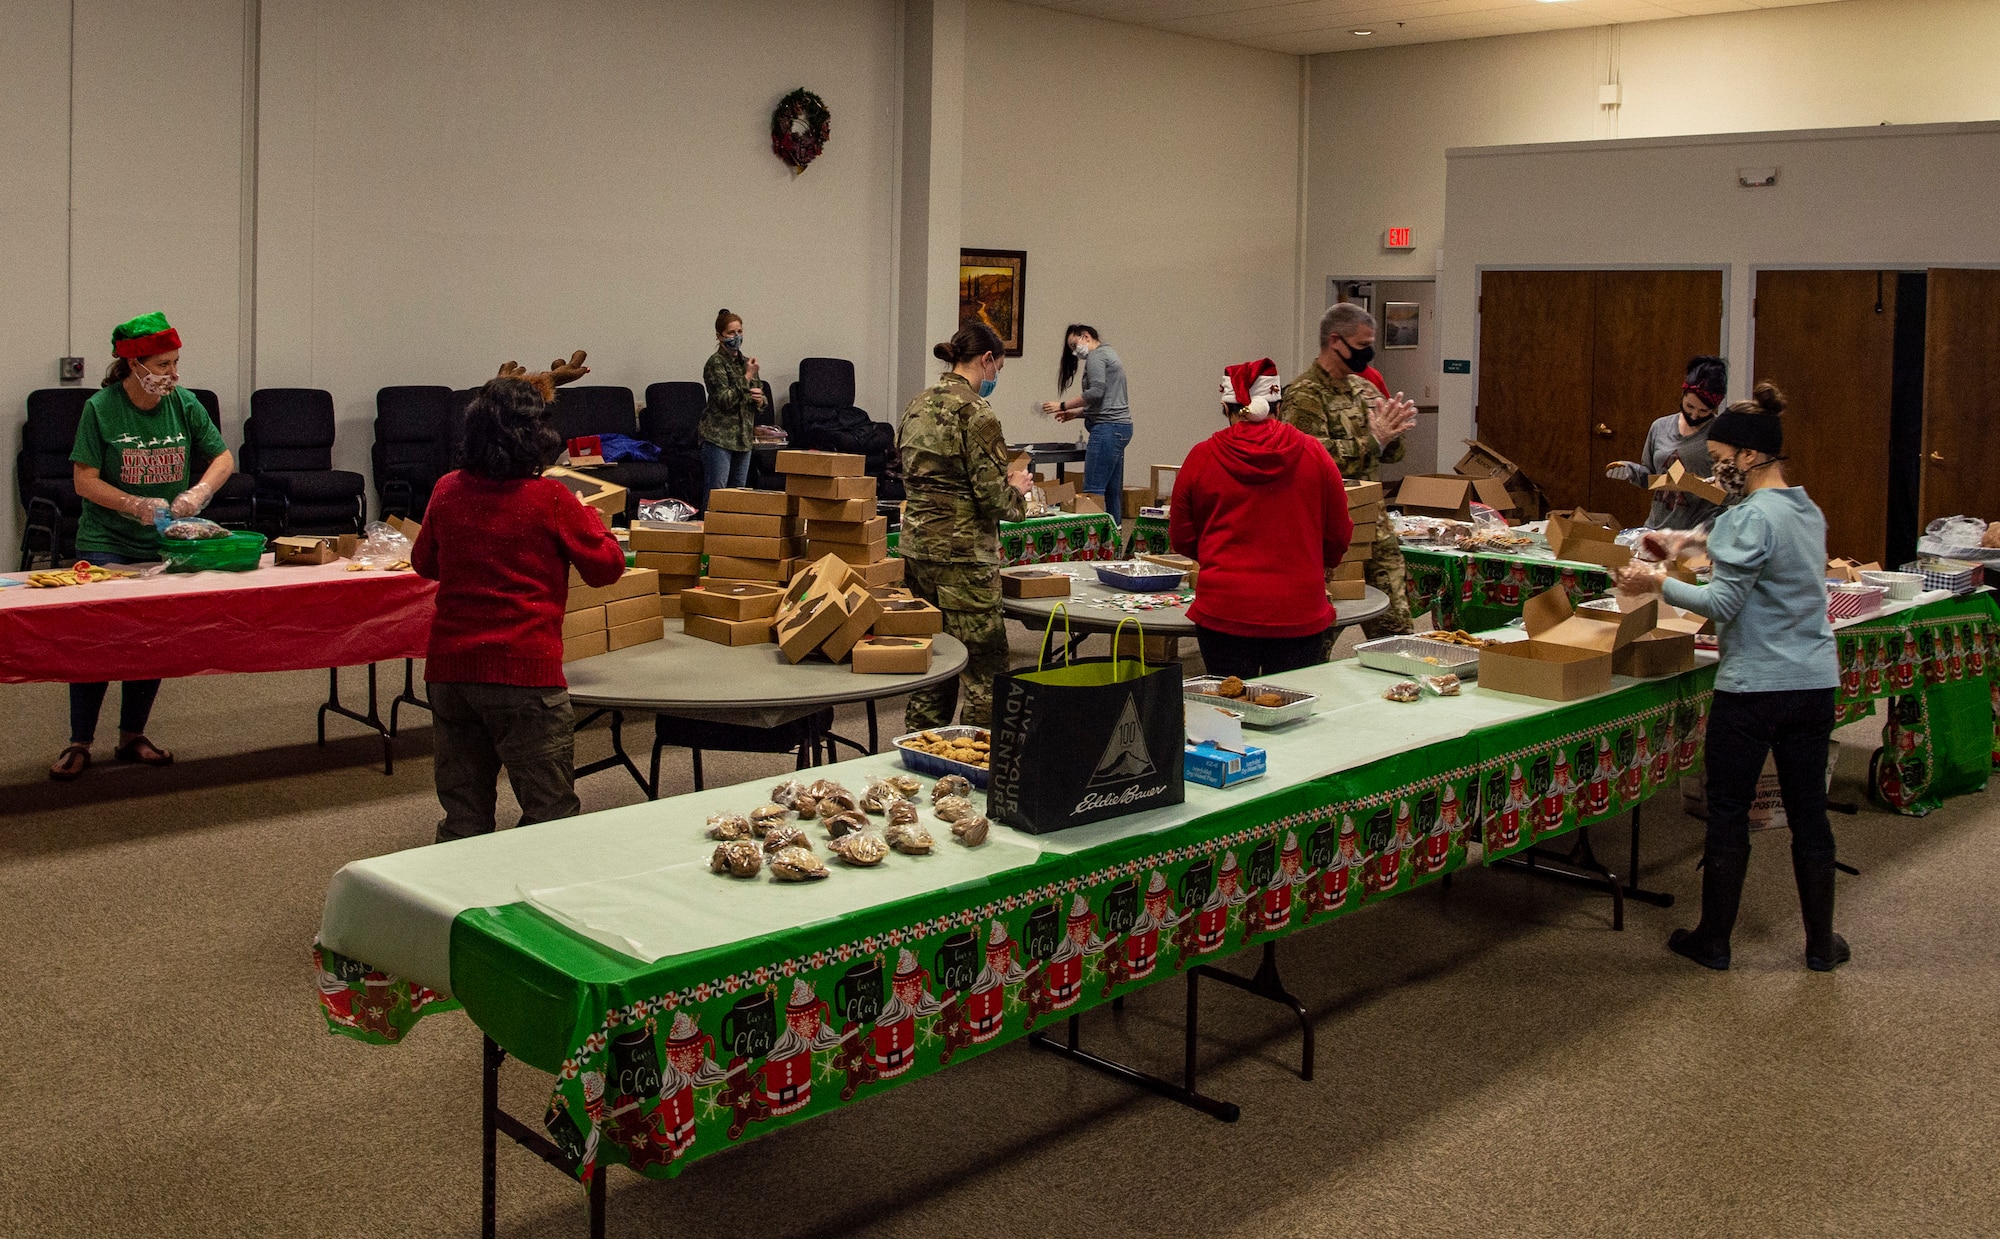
<point>139,435</point>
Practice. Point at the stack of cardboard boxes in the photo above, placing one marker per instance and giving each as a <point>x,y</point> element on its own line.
<point>752,535</point>
<point>602,618</point>
<point>672,549</point>
<point>829,609</point>
<point>1364,508</point>
<point>835,497</point>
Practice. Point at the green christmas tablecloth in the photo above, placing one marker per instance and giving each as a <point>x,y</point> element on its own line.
<point>1481,590</point>
<point>665,1060</point>
<point>1054,539</point>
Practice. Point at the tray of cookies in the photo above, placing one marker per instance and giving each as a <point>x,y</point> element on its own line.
<point>1261,705</point>
<point>947,750</point>
<point>1422,655</point>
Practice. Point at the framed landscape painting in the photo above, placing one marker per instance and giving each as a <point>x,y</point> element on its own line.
<point>992,289</point>
<point>1399,324</point>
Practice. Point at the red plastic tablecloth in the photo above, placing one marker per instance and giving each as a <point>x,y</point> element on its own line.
<point>213,623</point>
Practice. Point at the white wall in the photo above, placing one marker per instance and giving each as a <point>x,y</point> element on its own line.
<point>1382,122</point>
<point>1152,180</point>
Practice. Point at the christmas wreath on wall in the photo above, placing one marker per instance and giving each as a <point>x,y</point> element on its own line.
<point>799,129</point>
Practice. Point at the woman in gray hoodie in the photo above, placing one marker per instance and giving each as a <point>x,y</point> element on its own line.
<point>1104,408</point>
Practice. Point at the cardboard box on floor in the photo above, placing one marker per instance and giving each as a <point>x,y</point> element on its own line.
<point>727,631</point>
<point>1677,478</point>
<point>822,464</point>
<point>1567,655</point>
<point>892,656</point>
<point>1583,537</point>
<point>635,582</point>
<point>733,600</point>
<point>666,537</point>
<point>749,500</point>
<point>591,492</point>
<point>1034,583</point>
<point>1451,496</point>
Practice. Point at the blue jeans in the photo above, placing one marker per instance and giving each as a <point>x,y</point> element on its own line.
<point>1104,465</point>
<point>722,467</point>
<point>135,702</point>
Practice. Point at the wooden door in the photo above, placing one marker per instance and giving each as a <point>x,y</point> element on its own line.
<point>1961,469</point>
<point>1647,325</point>
<point>1535,331</point>
<point>1822,340</point>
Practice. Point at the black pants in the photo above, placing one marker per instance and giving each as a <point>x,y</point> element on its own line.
<point>479,728</point>
<point>1248,657</point>
<point>135,702</point>
<point>1795,728</point>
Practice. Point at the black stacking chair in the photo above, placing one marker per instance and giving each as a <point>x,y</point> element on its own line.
<point>235,505</point>
<point>805,736</point>
<point>821,416</point>
<point>44,475</point>
<point>583,411</point>
<point>408,421</point>
<point>672,419</point>
<point>288,448</point>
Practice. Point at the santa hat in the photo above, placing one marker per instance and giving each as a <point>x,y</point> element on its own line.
<point>144,336</point>
<point>1254,385</point>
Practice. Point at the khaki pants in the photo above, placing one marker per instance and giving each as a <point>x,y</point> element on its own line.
<point>481,727</point>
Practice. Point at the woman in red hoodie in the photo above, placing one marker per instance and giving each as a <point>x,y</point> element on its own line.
<point>1260,506</point>
<point>500,539</point>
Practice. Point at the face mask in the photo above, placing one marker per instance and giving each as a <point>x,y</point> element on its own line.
<point>986,387</point>
<point>1080,349</point>
<point>735,341</point>
<point>1703,420</point>
<point>1732,479</point>
<point>1359,355</point>
<point>154,384</point>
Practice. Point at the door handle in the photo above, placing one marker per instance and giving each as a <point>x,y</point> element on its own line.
<point>1605,432</point>
<point>1937,458</point>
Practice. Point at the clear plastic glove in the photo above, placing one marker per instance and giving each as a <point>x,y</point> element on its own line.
<point>146,511</point>
<point>382,547</point>
<point>1628,471</point>
<point>1389,417</point>
<point>1664,545</point>
<point>1638,578</point>
<point>191,501</point>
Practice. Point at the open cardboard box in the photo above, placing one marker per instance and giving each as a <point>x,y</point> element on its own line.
<point>1582,537</point>
<point>820,599</point>
<point>1483,461</point>
<point>1451,495</point>
<point>892,656</point>
<point>591,492</point>
<point>1667,649</point>
<point>733,600</point>
<point>308,550</point>
<point>1567,654</point>
<point>1849,571</point>
<point>1084,505</point>
<point>1034,583</point>
<point>1678,478</point>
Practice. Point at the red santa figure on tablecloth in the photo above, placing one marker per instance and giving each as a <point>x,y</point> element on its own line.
<point>984,1006</point>
<point>1508,820</point>
<point>1975,656</point>
<point>1692,722</point>
<point>1554,800</point>
<point>1435,851</point>
<point>1062,977</point>
<point>1514,586</point>
<point>690,1065</point>
<point>1142,944</point>
<point>893,1044</point>
<point>1271,909</point>
<point>1598,795</point>
<point>1632,775</point>
<point>784,1083</point>
<point>1875,650</point>
<point>1958,653</point>
<point>1851,671</point>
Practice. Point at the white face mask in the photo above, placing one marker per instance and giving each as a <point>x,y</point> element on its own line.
<point>1080,349</point>
<point>153,384</point>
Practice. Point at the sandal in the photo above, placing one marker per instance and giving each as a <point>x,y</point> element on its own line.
<point>143,751</point>
<point>70,763</point>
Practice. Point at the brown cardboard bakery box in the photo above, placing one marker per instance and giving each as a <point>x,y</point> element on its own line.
<point>307,550</point>
<point>733,600</point>
<point>748,499</point>
<point>822,464</point>
<point>753,524</point>
<point>586,645</point>
<point>863,532</point>
<point>1365,532</point>
<point>1667,649</point>
<point>731,568</point>
<point>1587,537</point>
<point>669,563</point>
<point>631,610</point>
<point>1451,496</point>
<point>892,656</point>
<point>666,537</point>
<point>1034,583</point>
<point>1084,505</point>
<point>817,510</point>
<point>1161,481</point>
<point>852,552</point>
<point>583,620</point>
<point>1137,497</point>
<point>1346,591</point>
<point>905,616</point>
<point>1175,563</point>
<point>1058,494</point>
<point>403,525</point>
<point>672,585</point>
<point>591,492</point>
<point>754,548</point>
<point>863,609</point>
<point>727,632</point>
<point>1363,495</point>
<point>820,599</point>
<point>1678,478</point>
<point>880,572</point>
<point>1566,655</point>
<point>670,606</point>
<point>1849,570</point>
<point>804,487</point>
<point>635,582</point>
<point>638,632</point>
<point>1350,570</point>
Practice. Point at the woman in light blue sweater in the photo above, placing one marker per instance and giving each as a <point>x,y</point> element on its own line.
<point>1775,685</point>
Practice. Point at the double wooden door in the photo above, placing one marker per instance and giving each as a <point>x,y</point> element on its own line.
<point>1575,366</point>
<point>1961,442</point>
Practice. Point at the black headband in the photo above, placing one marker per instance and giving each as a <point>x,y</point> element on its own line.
<point>1760,432</point>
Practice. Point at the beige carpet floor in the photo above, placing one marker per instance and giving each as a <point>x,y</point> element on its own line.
<point>1493,1060</point>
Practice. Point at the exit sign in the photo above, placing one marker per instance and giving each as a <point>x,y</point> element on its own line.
<point>1398,239</point>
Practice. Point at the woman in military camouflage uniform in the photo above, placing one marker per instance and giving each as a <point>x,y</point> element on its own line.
<point>959,490</point>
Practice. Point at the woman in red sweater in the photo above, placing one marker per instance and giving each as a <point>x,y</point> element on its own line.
<point>500,539</point>
<point>1260,506</point>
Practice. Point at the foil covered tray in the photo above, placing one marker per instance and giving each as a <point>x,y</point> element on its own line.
<point>1296,705</point>
<point>1412,656</point>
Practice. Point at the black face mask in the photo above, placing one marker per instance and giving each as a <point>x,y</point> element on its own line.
<point>1359,355</point>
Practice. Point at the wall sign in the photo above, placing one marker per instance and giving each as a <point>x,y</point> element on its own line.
<point>1399,239</point>
<point>1457,365</point>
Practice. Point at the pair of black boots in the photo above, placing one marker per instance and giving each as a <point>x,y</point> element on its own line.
<point>1722,892</point>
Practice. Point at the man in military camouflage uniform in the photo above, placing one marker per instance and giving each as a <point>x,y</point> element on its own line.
<point>1363,431</point>
<point>959,490</point>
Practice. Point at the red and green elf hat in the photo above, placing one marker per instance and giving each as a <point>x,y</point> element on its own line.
<point>144,336</point>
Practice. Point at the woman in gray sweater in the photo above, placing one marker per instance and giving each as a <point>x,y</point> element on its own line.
<point>1104,410</point>
<point>1774,686</point>
<point>1683,436</point>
